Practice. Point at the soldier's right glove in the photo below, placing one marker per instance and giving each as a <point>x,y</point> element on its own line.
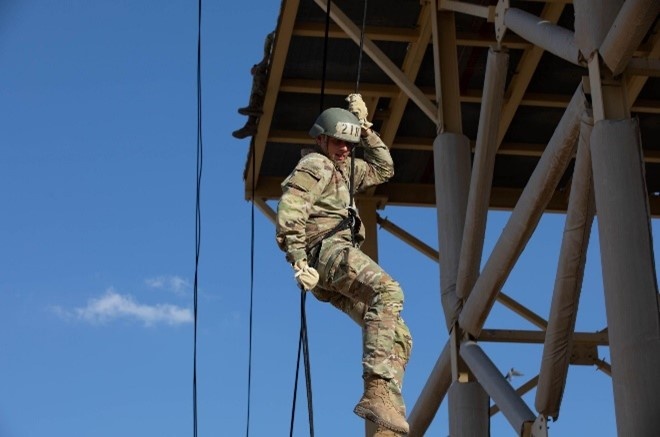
<point>357,106</point>
<point>306,276</point>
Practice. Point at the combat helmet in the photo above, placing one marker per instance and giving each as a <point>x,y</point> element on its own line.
<point>337,123</point>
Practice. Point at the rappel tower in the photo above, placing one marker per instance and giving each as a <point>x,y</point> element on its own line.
<point>530,106</point>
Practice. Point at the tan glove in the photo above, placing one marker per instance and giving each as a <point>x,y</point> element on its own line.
<point>357,106</point>
<point>306,276</point>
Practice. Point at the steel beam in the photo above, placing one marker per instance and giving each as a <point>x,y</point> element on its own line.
<point>568,281</point>
<point>524,217</point>
<point>381,59</point>
<point>483,166</point>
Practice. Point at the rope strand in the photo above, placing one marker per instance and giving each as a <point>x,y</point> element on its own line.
<point>351,183</point>
<point>362,32</point>
<point>198,214</point>
<point>303,340</point>
<point>249,376</point>
<point>324,69</point>
<point>308,367</point>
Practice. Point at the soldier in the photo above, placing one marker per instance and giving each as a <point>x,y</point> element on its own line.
<point>314,229</point>
<point>254,110</point>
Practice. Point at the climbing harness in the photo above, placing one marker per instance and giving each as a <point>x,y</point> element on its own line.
<point>315,249</point>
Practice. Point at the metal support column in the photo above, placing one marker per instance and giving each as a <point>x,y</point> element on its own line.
<point>629,280</point>
<point>628,275</point>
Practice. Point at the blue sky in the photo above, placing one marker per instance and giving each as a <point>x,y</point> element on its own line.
<point>97,176</point>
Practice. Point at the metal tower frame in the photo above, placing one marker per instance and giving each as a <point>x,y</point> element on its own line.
<point>596,133</point>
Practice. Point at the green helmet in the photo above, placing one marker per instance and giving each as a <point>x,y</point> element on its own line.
<point>337,123</point>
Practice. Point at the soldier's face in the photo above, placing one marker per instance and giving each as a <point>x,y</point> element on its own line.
<point>337,150</point>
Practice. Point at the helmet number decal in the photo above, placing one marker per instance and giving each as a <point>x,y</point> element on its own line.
<point>349,130</point>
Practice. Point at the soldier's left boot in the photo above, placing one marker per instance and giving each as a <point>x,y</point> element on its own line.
<point>246,131</point>
<point>399,404</point>
<point>397,397</point>
<point>250,110</point>
<point>379,406</point>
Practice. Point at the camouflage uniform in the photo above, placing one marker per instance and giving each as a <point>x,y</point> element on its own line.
<point>315,199</point>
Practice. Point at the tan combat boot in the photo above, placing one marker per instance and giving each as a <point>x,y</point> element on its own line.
<point>377,405</point>
<point>397,397</point>
<point>398,365</point>
<point>384,432</point>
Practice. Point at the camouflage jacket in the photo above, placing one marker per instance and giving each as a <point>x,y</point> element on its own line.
<point>315,196</point>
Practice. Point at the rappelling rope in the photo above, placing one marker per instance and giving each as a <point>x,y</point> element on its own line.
<point>303,346</point>
<point>249,384</point>
<point>324,68</point>
<point>198,215</point>
<point>303,342</point>
<point>351,183</point>
<point>362,31</point>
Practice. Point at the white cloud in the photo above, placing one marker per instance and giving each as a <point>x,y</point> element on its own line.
<point>113,305</point>
<point>174,284</point>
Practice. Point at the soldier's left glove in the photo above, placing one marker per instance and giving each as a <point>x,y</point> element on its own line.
<point>306,276</point>
<point>357,106</point>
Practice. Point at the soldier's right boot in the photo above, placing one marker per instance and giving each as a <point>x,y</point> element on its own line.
<point>379,406</point>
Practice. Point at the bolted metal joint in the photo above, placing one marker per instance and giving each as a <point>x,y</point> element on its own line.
<point>500,27</point>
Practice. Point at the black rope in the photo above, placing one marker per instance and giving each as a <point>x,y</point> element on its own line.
<point>362,32</point>
<point>351,183</point>
<point>308,368</point>
<point>303,342</point>
<point>249,383</point>
<point>295,384</point>
<point>324,69</point>
<point>303,347</point>
<point>198,214</point>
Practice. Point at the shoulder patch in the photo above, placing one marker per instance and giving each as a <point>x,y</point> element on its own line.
<point>301,180</point>
<point>309,172</point>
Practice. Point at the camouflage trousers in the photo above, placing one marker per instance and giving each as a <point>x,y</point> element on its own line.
<point>355,284</point>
